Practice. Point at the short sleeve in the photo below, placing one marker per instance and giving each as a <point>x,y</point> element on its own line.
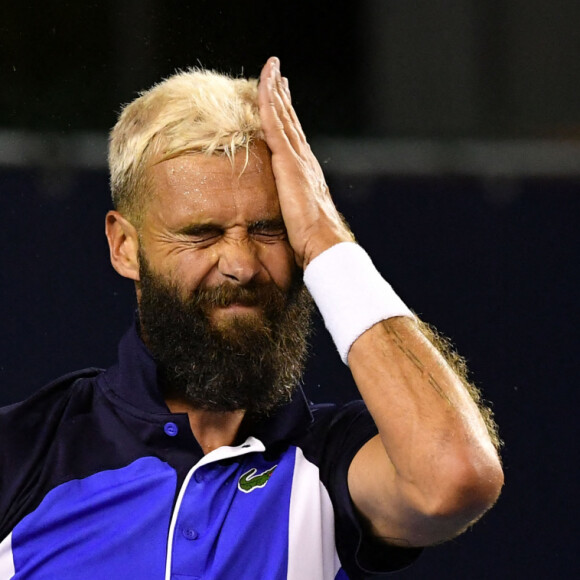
<point>361,555</point>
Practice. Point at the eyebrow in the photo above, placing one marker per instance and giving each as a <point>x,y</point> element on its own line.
<point>267,224</point>
<point>208,228</point>
<point>198,229</point>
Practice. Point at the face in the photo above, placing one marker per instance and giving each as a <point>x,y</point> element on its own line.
<point>222,306</point>
<point>210,224</point>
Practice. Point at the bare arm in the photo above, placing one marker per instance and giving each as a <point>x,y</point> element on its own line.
<point>433,469</point>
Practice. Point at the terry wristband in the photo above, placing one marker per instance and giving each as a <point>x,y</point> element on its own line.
<point>350,293</point>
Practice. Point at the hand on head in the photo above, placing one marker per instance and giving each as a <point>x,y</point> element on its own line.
<point>312,220</point>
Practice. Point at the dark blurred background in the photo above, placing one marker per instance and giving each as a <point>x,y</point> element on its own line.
<point>449,135</point>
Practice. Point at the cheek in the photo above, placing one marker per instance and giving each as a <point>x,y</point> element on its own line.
<point>190,269</point>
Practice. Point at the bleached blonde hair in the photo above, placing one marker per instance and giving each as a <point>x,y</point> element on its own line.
<point>193,111</point>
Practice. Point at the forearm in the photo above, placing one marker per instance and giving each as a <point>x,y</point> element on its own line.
<point>427,420</point>
<point>443,470</point>
<point>436,468</point>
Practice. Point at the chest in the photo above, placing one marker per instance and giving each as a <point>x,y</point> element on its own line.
<point>237,514</point>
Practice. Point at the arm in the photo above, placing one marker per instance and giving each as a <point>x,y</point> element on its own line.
<point>433,469</point>
<point>442,470</point>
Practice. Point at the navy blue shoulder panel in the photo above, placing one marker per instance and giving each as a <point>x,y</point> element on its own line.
<point>29,427</point>
<point>51,389</point>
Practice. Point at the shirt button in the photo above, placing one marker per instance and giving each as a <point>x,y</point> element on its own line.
<point>170,429</point>
<point>190,533</point>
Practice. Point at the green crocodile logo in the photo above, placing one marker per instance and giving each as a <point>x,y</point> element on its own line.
<point>249,481</point>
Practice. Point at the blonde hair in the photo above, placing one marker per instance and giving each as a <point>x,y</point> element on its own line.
<point>193,111</point>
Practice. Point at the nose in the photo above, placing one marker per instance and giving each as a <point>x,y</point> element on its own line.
<point>238,261</point>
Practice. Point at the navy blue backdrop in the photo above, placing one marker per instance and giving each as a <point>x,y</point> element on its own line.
<point>496,274</point>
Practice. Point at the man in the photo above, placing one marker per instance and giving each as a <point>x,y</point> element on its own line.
<point>197,455</point>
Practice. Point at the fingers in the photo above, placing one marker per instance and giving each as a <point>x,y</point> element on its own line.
<point>289,110</point>
<point>292,132</point>
<point>272,125</point>
<point>279,120</point>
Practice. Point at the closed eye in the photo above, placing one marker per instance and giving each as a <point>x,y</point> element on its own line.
<point>199,234</point>
<point>268,230</point>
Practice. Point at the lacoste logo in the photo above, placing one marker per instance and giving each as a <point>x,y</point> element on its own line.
<point>249,481</point>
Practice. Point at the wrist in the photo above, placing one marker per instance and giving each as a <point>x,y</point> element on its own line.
<point>350,293</point>
<point>323,242</point>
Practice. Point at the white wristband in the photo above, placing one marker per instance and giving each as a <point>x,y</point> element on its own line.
<point>350,293</point>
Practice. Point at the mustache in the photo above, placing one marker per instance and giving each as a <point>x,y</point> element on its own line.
<point>227,294</point>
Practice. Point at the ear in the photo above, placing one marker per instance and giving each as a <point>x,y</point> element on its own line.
<point>123,245</point>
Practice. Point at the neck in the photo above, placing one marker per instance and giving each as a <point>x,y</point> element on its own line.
<point>210,428</point>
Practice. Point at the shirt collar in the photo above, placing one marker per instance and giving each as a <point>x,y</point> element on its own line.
<point>134,379</point>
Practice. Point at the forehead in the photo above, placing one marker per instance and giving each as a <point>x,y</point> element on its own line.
<point>205,188</point>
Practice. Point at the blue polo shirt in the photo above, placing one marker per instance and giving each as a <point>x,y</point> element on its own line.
<point>99,480</point>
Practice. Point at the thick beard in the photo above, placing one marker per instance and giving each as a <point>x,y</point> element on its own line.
<point>252,362</point>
